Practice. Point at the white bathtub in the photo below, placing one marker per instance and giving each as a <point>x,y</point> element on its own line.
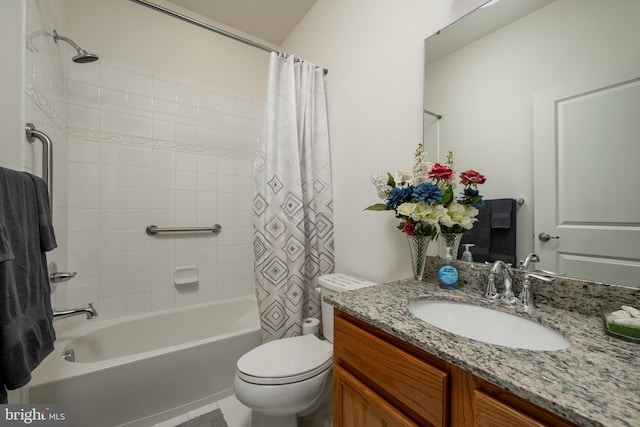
<point>139,370</point>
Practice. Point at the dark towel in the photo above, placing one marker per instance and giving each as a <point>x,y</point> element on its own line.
<point>497,242</point>
<point>501,211</point>
<point>26,317</point>
<point>503,239</point>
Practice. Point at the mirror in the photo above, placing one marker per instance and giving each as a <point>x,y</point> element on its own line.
<point>483,71</point>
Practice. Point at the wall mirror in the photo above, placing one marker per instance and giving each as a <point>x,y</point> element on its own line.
<point>493,77</point>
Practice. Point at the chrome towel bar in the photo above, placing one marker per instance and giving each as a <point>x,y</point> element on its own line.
<point>47,158</point>
<point>154,229</point>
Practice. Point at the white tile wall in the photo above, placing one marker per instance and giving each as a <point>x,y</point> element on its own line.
<point>45,89</point>
<point>143,151</point>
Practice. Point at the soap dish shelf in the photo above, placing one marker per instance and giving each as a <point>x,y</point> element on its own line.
<point>607,310</point>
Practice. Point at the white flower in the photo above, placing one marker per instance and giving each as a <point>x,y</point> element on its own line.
<point>461,215</point>
<point>407,209</point>
<point>403,177</point>
<point>421,166</point>
<point>380,180</point>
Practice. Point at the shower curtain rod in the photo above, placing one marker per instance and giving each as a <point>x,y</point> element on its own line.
<point>212,28</point>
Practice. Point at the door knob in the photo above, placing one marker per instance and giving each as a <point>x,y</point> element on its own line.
<point>545,237</point>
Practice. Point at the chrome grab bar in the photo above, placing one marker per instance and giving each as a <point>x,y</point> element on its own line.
<point>47,158</point>
<point>154,229</point>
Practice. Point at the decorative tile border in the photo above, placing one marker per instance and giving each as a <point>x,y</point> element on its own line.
<point>78,133</point>
<point>43,103</point>
<point>114,138</point>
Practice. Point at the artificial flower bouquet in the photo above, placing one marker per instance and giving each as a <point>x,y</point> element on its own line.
<point>424,199</point>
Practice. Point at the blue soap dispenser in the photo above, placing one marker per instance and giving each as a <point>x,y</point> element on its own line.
<point>448,273</point>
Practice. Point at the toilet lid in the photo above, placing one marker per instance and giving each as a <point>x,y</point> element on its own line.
<point>286,360</point>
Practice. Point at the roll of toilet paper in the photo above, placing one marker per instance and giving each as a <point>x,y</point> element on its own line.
<point>310,325</point>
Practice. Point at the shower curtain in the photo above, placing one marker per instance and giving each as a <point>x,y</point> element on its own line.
<point>293,203</point>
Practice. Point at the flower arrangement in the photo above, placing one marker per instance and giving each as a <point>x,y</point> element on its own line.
<point>424,199</point>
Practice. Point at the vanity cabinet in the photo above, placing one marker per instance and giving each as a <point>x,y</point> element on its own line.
<point>380,380</point>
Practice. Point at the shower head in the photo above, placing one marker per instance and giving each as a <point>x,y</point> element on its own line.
<point>83,56</point>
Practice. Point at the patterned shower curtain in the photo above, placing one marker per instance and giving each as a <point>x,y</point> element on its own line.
<point>293,204</point>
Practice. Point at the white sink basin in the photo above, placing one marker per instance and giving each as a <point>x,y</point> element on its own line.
<point>487,325</point>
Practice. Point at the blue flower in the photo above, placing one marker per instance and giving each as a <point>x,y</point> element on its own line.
<point>428,193</point>
<point>471,192</point>
<point>398,196</point>
<point>471,196</point>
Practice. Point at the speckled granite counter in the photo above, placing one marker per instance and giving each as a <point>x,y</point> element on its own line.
<point>595,382</point>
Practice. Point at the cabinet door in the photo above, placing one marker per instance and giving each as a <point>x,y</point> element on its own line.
<point>355,405</point>
<point>491,412</point>
<point>409,383</point>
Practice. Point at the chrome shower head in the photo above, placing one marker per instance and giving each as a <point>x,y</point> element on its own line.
<point>83,56</point>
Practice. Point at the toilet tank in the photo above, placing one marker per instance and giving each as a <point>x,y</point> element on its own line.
<point>332,284</point>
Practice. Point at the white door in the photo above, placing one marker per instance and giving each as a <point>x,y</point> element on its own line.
<point>587,179</point>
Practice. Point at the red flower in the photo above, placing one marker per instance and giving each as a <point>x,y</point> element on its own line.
<point>409,228</point>
<point>442,172</point>
<point>472,177</point>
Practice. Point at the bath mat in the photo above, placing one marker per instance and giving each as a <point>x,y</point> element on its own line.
<point>210,419</point>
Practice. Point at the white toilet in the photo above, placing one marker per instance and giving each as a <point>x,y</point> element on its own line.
<point>290,377</point>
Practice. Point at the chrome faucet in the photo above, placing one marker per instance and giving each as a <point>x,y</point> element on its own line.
<point>524,264</point>
<point>491,291</point>
<point>89,311</point>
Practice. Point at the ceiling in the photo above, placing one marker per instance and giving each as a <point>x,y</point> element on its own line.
<point>270,20</point>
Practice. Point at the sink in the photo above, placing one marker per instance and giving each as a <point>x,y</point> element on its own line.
<point>488,325</point>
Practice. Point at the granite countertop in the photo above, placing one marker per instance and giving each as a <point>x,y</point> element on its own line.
<point>595,382</point>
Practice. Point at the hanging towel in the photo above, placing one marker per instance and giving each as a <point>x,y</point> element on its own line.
<point>501,212</point>
<point>494,233</point>
<point>26,317</point>
<point>503,231</point>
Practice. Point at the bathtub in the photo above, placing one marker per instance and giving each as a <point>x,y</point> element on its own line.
<point>139,370</point>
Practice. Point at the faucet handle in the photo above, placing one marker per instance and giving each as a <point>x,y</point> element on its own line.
<point>491,292</point>
<point>525,299</point>
<point>543,278</point>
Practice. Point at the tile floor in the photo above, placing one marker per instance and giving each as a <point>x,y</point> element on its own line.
<point>238,415</point>
<point>235,413</point>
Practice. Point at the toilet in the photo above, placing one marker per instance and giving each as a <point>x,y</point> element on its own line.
<point>291,377</point>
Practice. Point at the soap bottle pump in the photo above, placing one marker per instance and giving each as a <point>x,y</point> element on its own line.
<point>466,255</point>
<point>448,274</point>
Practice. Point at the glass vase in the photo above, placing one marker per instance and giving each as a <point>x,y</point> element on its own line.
<point>418,246</point>
<point>451,240</point>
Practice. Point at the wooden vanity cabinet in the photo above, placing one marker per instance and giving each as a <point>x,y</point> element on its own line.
<point>380,380</point>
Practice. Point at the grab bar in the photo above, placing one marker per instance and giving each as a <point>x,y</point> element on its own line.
<point>154,229</point>
<point>47,158</point>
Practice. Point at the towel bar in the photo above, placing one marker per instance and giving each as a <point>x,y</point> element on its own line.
<point>47,158</point>
<point>154,229</point>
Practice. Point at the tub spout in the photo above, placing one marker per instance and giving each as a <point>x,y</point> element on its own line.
<point>89,311</point>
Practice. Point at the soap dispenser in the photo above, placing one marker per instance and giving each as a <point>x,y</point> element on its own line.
<point>466,255</point>
<point>448,273</point>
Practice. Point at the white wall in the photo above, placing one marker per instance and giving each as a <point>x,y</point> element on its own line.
<point>132,34</point>
<point>11,102</point>
<point>374,52</point>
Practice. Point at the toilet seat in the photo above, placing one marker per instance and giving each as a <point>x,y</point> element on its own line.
<point>286,361</point>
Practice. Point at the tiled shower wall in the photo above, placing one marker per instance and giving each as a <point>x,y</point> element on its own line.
<point>155,149</point>
<point>45,106</point>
